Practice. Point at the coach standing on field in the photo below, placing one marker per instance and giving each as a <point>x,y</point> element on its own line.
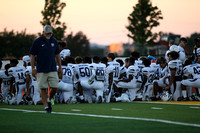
<point>46,51</point>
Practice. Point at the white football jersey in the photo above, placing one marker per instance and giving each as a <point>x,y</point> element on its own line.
<point>18,73</point>
<point>75,76</point>
<point>188,70</point>
<point>149,72</point>
<point>67,74</point>
<point>164,72</point>
<point>192,70</point>
<point>5,79</point>
<point>157,69</point>
<point>123,69</point>
<point>109,69</point>
<point>140,65</point>
<point>196,70</point>
<point>175,65</point>
<point>181,49</point>
<point>182,57</point>
<point>64,53</point>
<point>116,73</point>
<point>29,72</point>
<point>98,71</point>
<point>197,53</point>
<point>70,65</point>
<point>82,71</point>
<point>166,57</point>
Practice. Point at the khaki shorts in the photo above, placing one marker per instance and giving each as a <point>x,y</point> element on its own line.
<point>45,80</point>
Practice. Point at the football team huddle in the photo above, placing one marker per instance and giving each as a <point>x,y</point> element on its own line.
<point>108,79</point>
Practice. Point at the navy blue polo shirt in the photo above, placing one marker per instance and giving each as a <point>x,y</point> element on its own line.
<point>45,51</point>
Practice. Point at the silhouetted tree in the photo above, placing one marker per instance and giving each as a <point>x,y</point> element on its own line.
<point>97,52</point>
<point>51,15</point>
<point>141,21</point>
<point>190,44</point>
<point>127,52</point>
<point>78,44</point>
<point>15,44</point>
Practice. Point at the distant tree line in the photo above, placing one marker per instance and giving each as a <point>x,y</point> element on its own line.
<point>17,44</point>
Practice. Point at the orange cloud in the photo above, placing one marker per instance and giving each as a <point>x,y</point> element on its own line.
<point>116,48</point>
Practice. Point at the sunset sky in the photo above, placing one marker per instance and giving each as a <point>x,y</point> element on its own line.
<point>103,21</point>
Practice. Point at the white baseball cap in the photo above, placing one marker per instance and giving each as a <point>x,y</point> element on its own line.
<point>47,29</point>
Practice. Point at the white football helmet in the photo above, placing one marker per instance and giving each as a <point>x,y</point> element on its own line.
<point>26,59</point>
<point>27,100</point>
<point>165,96</point>
<point>64,53</point>
<point>10,99</point>
<point>174,48</point>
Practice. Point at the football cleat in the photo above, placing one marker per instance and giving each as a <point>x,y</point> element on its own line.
<point>99,100</point>
<point>197,98</point>
<point>49,108</point>
<point>192,98</point>
<point>73,100</point>
<point>139,95</point>
<point>80,99</point>
<point>52,101</point>
<point>69,100</point>
<point>147,98</point>
<point>57,97</point>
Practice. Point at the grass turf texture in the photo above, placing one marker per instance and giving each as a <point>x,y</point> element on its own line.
<point>16,121</point>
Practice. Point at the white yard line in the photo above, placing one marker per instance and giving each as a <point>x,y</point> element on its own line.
<point>156,108</point>
<point>116,109</point>
<point>170,103</point>
<point>76,110</point>
<point>104,116</point>
<point>195,107</point>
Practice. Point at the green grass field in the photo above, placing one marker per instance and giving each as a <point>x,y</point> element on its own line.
<point>139,117</point>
